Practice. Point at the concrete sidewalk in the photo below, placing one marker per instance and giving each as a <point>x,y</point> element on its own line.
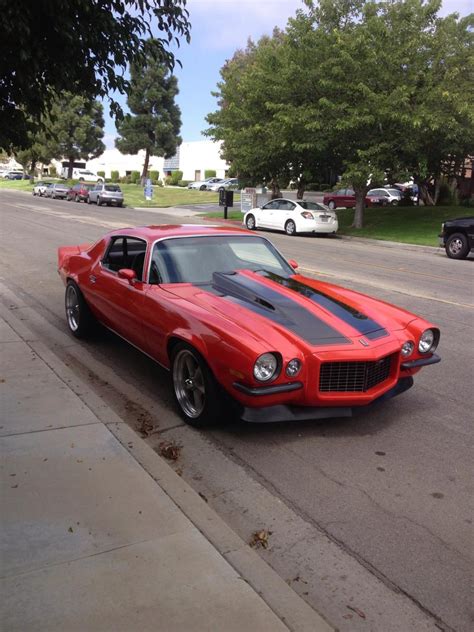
<point>99,533</point>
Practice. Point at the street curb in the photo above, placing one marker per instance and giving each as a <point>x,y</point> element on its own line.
<point>275,592</point>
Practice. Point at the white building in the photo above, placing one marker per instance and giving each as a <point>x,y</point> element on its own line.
<point>192,158</point>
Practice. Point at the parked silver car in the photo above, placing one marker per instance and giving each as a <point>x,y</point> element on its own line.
<point>203,185</point>
<point>108,194</point>
<point>230,184</point>
<point>56,190</point>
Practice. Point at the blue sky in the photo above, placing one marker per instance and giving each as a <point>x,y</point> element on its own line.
<point>219,27</point>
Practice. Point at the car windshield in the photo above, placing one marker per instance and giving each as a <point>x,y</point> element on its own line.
<point>112,187</point>
<point>313,206</point>
<point>394,192</point>
<point>195,259</point>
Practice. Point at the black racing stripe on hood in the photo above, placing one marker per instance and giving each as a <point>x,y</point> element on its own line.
<point>360,322</point>
<point>278,308</point>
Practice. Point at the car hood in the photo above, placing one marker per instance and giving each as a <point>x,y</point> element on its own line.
<point>264,304</point>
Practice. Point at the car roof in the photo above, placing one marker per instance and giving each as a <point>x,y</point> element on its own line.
<point>152,233</point>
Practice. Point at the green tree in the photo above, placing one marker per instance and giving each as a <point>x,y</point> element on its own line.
<point>80,45</point>
<point>74,128</point>
<point>358,87</point>
<point>155,121</point>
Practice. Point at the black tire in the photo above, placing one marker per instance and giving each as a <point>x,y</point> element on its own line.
<point>394,202</point>
<point>195,389</point>
<point>98,202</point>
<point>250,222</point>
<point>202,187</point>
<point>457,246</point>
<point>34,193</point>
<point>77,198</point>
<point>332,205</point>
<point>79,317</point>
<point>89,201</point>
<point>290,227</point>
<point>120,204</point>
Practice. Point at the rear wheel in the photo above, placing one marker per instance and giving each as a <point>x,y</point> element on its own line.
<point>457,246</point>
<point>290,227</point>
<point>78,315</point>
<point>394,202</point>
<point>195,388</point>
<point>250,222</point>
<point>77,198</point>
<point>89,201</point>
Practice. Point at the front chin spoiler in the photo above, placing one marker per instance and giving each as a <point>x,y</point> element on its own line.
<point>272,414</point>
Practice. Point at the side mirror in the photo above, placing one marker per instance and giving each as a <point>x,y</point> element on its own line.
<point>293,264</point>
<point>129,275</point>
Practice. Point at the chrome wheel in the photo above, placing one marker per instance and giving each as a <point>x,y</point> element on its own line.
<point>189,386</point>
<point>290,227</point>
<point>72,307</point>
<point>250,222</point>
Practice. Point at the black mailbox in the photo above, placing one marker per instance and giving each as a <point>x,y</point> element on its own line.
<point>226,198</point>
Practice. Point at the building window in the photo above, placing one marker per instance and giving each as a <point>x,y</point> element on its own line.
<point>197,174</point>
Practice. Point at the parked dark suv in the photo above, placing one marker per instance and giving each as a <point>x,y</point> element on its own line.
<point>457,237</point>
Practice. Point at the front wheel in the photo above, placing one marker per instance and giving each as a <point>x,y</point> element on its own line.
<point>195,389</point>
<point>89,201</point>
<point>457,246</point>
<point>394,202</point>
<point>290,227</point>
<point>332,205</point>
<point>203,187</point>
<point>250,222</point>
<point>98,202</point>
<point>78,315</point>
<point>77,198</point>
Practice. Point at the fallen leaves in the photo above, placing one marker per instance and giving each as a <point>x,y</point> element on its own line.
<point>260,538</point>
<point>170,450</point>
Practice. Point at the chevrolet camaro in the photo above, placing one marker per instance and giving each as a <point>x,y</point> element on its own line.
<point>235,324</point>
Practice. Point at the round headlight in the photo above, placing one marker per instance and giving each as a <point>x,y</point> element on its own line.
<point>427,341</point>
<point>293,367</point>
<point>265,367</point>
<point>407,348</point>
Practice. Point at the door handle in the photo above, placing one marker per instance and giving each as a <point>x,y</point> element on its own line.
<point>92,278</point>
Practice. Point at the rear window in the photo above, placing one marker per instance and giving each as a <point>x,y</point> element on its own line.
<point>112,187</point>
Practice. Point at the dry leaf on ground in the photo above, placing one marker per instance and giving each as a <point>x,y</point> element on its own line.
<point>260,538</point>
<point>170,450</point>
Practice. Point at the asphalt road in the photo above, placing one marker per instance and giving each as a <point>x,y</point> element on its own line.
<point>371,517</point>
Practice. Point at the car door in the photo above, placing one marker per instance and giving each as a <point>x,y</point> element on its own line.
<point>118,301</point>
<point>265,215</point>
<point>282,214</point>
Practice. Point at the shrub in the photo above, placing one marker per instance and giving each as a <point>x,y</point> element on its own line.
<point>184,183</point>
<point>115,176</point>
<point>101,174</point>
<point>154,176</point>
<point>158,183</point>
<point>468,202</point>
<point>125,179</point>
<point>135,177</point>
<point>175,177</point>
<point>168,180</point>
<point>209,173</point>
<point>53,172</point>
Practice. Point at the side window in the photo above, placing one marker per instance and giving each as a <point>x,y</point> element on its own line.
<point>270,205</point>
<point>126,252</point>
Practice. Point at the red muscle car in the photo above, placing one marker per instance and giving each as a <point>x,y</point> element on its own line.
<point>233,322</point>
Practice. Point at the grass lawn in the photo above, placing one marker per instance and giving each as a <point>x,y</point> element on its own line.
<point>230,214</point>
<point>411,225</point>
<point>134,196</point>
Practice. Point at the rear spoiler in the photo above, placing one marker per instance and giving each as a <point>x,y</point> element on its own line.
<point>68,251</point>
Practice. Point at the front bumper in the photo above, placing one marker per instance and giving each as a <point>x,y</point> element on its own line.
<point>272,414</point>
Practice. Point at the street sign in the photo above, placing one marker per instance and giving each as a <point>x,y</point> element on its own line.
<point>148,190</point>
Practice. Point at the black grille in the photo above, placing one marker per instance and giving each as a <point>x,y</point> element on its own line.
<point>353,376</point>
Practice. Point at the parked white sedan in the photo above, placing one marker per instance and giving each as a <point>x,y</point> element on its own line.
<point>293,217</point>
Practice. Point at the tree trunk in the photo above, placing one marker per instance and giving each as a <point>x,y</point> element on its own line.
<point>32,168</point>
<point>359,208</point>
<point>301,190</point>
<point>145,166</point>
<point>276,193</point>
<point>425,195</point>
<point>437,190</point>
<point>70,168</point>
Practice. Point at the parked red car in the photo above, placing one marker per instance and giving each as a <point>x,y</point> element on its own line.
<point>79,192</point>
<point>343,198</point>
<point>232,321</point>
